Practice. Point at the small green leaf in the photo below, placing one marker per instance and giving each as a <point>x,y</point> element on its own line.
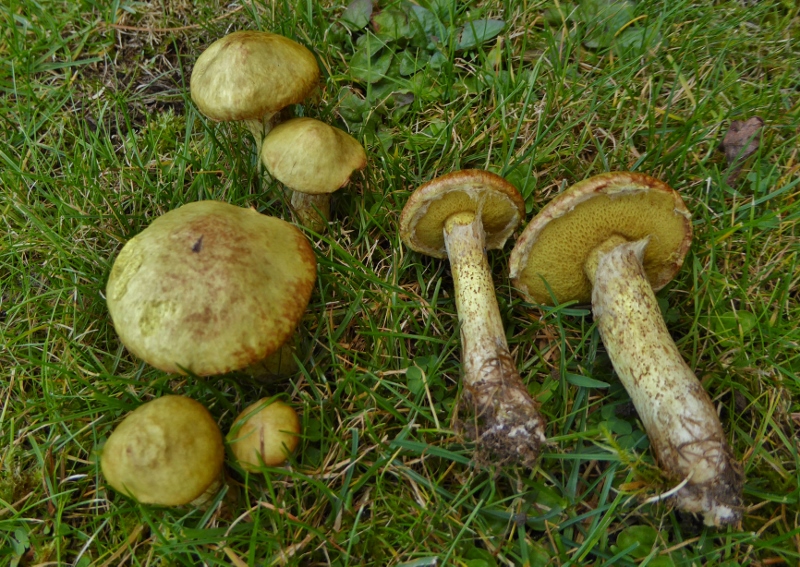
<point>357,14</point>
<point>644,537</point>
<point>364,66</point>
<point>392,24</point>
<point>585,381</point>
<point>729,324</point>
<point>415,380</point>
<point>476,32</point>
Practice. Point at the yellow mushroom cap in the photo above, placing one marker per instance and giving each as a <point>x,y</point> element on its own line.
<point>310,156</point>
<point>495,200</point>
<point>167,452</point>
<point>266,431</point>
<point>555,245</point>
<point>210,287</point>
<point>248,74</point>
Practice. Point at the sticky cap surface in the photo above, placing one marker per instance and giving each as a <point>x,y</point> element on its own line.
<point>248,74</point>
<point>210,287</point>
<point>310,156</point>
<point>167,452</point>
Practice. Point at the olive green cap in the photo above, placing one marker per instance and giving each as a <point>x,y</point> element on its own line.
<point>167,452</point>
<point>210,287</point>
<point>249,74</point>
<point>495,200</point>
<point>267,431</point>
<point>554,247</point>
<point>310,156</point>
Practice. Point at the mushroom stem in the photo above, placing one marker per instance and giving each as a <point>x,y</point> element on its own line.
<point>509,424</point>
<point>313,211</point>
<point>676,411</point>
<point>259,128</point>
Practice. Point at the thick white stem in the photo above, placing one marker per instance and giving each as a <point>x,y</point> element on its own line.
<point>508,424</point>
<point>677,413</point>
<point>313,211</point>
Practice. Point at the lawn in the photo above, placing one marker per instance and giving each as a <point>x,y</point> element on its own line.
<point>100,136</point>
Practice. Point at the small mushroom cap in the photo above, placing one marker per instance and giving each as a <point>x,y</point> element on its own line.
<point>495,200</point>
<point>210,287</point>
<point>266,431</point>
<point>249,74</point>
<point>310,156</point>
<point>167,452</point>
<point>555,245</point>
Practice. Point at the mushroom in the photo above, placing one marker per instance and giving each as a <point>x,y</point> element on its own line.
<point>210,287</point>
<point>458,216</point>
<point>312,159</point>
<point>615,239</point>
<point>167,452</point>
<point>251,76</point>
<point>266,432</point>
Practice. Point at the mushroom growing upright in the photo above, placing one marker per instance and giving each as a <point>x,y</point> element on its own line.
<point>267,432</point>
<point>251,76</point>
<point>614,239</point>
<point>167,452</point>
<point>210,287</point>
<point>312,159</point>
<point>458,216</point>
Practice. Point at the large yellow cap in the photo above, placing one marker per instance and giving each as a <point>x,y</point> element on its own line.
<point>554,247</point>
<point>249,74</point>
<point>167,452</point>
<point>210,287</point>
<point>496,201</point>
<point>310,156</point>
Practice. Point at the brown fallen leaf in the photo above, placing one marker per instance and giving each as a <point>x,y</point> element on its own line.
<point>740,142</point>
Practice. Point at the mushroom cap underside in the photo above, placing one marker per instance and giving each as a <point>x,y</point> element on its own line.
<point>210,287</point>
<point>496,201</point>
<point>310,156</point>
<point>553,248</point>
<point>167,452</point>
<point>249,74</point>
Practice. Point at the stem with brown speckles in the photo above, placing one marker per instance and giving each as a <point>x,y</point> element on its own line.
<point>509,426</point>
<point>676,411</point>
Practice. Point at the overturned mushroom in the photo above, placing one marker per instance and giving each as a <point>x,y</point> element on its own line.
<point>314,160</point>
<point>458,216</point>
<point>615,238</point>
<point>166,452</point>
<point>210,287</point>
<point>251,76</point>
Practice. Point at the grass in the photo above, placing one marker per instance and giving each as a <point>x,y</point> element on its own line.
<point>99,137</point>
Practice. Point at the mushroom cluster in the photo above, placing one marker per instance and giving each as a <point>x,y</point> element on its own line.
<point>207,288</point>
<point>252,76</point>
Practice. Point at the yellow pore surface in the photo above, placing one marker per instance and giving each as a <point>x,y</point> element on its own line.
<point>555,245</point>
